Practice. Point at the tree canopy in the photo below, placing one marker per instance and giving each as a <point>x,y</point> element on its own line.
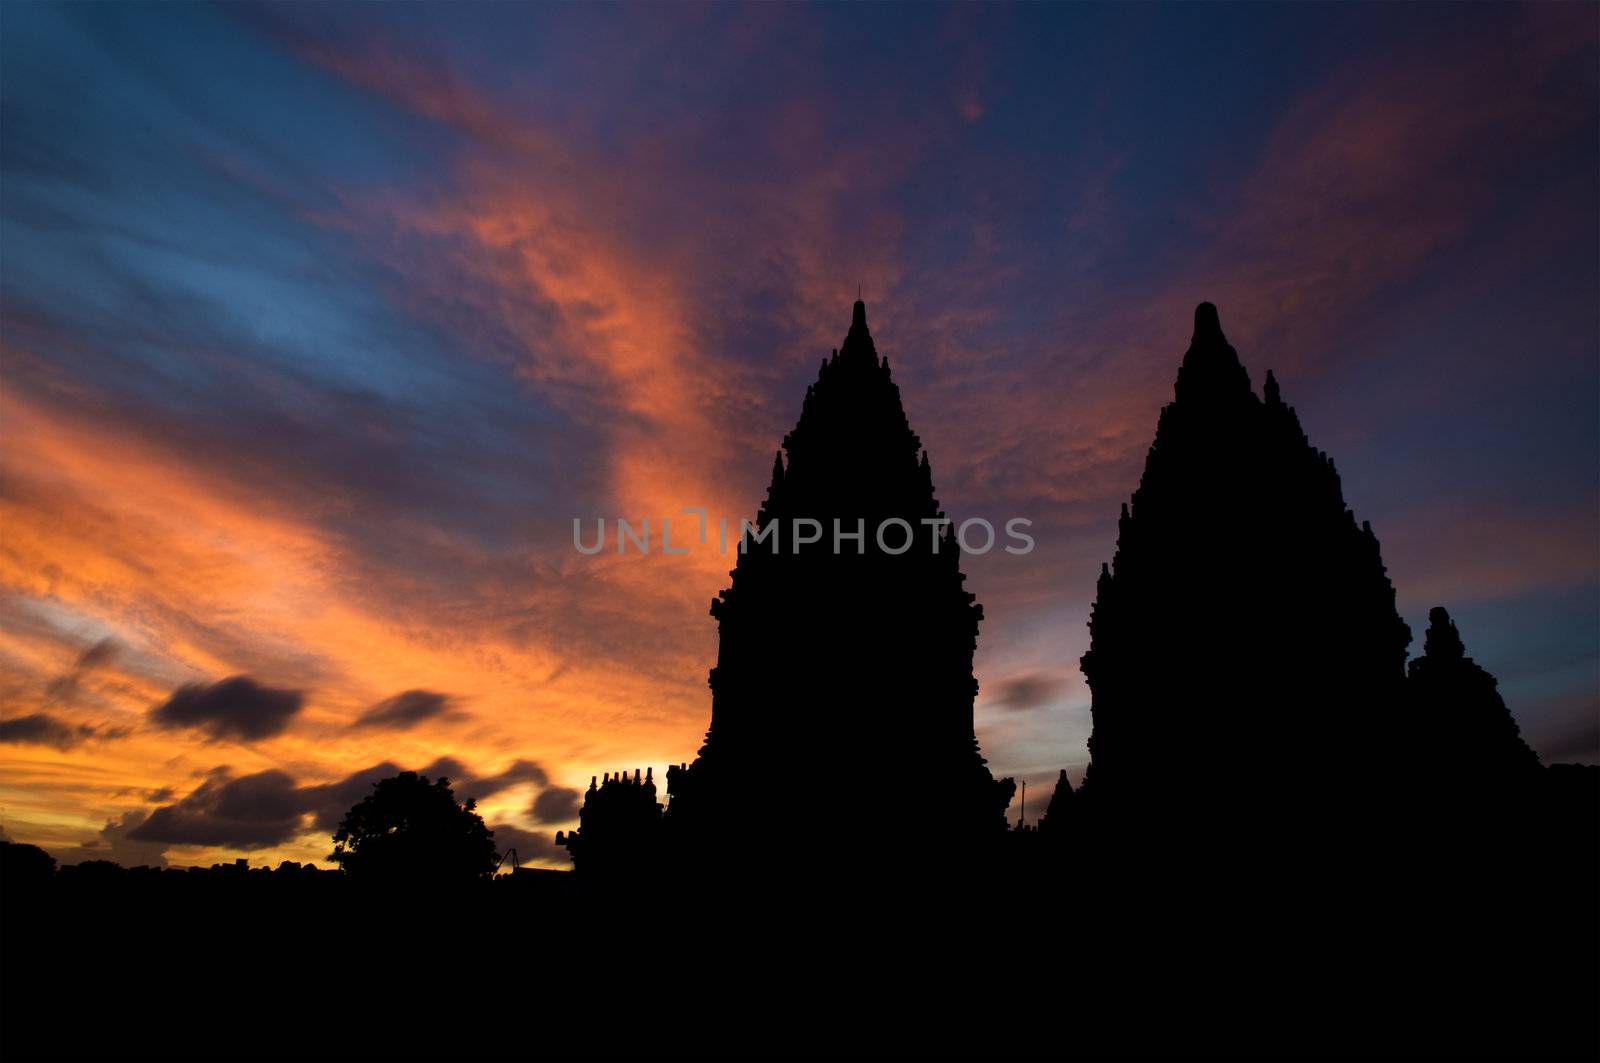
<point>411,829</point>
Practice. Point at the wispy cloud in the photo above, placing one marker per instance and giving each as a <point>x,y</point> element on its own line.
<point>307,378</point>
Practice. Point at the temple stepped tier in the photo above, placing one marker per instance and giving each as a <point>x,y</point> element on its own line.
<point>1477,785</point>
<point>1474,737</point>
<point>842,697</point>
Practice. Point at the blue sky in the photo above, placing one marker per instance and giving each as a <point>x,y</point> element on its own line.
<point>323,322</point>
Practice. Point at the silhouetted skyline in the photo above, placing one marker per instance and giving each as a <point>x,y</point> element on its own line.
<point>322,324</point>
<point>1307,853</point>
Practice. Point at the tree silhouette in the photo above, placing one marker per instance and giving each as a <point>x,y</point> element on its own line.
<point>24,867</point>
<point>411,829</point>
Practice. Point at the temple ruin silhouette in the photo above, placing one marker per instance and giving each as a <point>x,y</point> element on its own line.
<point>833,666</point>
<point>1246,655</point>
<point>619,825</point>
<point>1456,704</point>
<point>1058,813</point>
<point>1251,697</point>
<point>1289,843</point>
<point>841,659</point>
<point>1279,809</point>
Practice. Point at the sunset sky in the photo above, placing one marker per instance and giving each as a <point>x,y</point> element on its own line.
<point>320,324</point>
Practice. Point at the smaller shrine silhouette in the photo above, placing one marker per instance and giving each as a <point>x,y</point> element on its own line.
<point>1060,814</point>
<point>619,826</point>
<point>1459,711</point>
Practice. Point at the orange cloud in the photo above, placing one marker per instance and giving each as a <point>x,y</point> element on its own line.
<point>617,277</point>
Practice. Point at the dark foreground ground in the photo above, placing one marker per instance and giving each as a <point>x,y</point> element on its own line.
<point>1179,961</point>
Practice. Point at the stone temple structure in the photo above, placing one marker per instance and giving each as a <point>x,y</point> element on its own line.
<point>1058,814</point>
<point>1478,786</point>
<point>1247,661</point>
<point>1475,742</point>
<point>619,826</point>
<point>842,698</point>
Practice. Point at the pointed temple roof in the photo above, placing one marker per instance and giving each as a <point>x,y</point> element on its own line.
<point>833,667</point>
<point>1057,816</point>
<point>1211,367</point>
<point>1244,639</point>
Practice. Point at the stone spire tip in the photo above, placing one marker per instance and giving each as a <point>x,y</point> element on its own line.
<point>1207,325</point>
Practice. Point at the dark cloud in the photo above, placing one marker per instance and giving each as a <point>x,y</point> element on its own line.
<point>250,812</point>
<point>556,804</point>
<point>265,797</point>
<point>100,653</point>
<point>268,808</point>
<point>328,802</point>
<point>1031,691</point>
<point>530,845</point>
<point>64,688</point>
<point>43,729</point>
<point>159,796</point>
<point>407,710</point>
<point>237,707</point>
<point>446,767</point>
<point>521,771</point>
<point>116,843</point>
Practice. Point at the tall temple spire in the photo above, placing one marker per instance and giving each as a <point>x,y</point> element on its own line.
<point>836,661</point>
<point>858,349</point>
<point>1244,641</point>
<point>858,341</point>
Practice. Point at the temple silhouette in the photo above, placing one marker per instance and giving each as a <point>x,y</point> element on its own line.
<point>1456,702</point>
<point>1290,841</point>
<point>838,659</point>
<point>1280,813</point>
<point>1251,698</point>
<point>1058,813</point>
<point>619,826</point>
<point>1246,655</point>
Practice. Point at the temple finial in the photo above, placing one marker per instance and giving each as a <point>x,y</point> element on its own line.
<point>1442,641</point>
<point>1211,368</point>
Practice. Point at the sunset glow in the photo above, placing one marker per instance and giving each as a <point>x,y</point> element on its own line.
<point>319,326</point>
